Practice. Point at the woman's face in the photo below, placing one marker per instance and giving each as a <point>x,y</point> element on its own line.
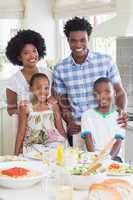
<point>40,89</point>
<point>29,55</point>
<point>78,42</point>
<point>104,93</point>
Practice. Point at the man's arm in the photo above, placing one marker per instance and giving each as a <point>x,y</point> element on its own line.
<point>121,103</point>
<point>66,113</point>
<point>58,120</point>
<point>121,97</point>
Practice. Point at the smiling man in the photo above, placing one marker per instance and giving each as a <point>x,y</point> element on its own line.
<point>74,76</point>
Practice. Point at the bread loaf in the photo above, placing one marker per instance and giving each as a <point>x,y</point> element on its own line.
<point>122,186</point>
<point>103,192</point>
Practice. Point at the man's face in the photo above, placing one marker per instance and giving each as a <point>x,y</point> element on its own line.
<point>78,42</point>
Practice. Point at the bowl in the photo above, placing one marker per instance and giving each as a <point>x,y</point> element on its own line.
<point>23,181</point>
<point>83,182</point>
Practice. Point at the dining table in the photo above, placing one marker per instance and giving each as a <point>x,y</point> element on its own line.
<point>37,191</point>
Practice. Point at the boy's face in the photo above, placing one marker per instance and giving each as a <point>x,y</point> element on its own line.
<point>78,42</point>
<point>104,94</point>
<point>40,89</point>
<point>29,55</point>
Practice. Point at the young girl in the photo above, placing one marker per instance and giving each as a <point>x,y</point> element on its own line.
<point>99,125</point>
<point>39,122</point>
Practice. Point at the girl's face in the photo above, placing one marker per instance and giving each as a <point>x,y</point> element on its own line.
<point>29,55</point>
<point>40,89</point>
<point>104,93</point>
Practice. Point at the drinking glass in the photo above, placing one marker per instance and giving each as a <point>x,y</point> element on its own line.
<point>49,187</point>
<point>64,190</point>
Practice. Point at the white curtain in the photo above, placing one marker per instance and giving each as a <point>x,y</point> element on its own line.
<point>67,8</point>
<point>11,8</point>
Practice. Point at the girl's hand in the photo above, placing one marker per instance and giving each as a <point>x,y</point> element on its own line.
<point>51,100</point>
<point>123,118</point>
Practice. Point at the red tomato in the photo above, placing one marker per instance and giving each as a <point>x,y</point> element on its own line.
<point>114,166</point>
<point>15,172</point>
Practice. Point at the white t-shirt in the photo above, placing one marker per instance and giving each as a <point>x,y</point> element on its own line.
<point>102,127</point>
<point>18,84</point>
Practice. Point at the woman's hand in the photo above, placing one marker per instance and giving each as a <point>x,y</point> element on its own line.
<point>123,118</point>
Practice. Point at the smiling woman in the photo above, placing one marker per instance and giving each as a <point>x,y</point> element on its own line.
<point>25,49</point>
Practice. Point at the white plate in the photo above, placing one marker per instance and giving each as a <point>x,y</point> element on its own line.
<point>118,174</point>
<point>23,182</point>
<point>8,158</point>
<point>83,182</point>
<point>33,155</point>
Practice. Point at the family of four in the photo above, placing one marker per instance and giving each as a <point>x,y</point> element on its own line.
<point>86,87</point>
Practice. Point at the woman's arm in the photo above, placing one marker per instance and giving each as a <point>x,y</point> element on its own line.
<point>11,102</point>
<point>22,121</point>
<point>58,119</point>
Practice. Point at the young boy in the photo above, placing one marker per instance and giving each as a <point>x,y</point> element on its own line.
<point>99,125</point>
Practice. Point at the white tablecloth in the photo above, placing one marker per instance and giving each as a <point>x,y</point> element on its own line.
<point>34,193</point>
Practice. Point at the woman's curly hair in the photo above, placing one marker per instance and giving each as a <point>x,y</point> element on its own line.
<point>77,24</point>
<point>17,43</point>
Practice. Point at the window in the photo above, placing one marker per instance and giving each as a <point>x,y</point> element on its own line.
<point>9,27</point>
<point>103,45</point>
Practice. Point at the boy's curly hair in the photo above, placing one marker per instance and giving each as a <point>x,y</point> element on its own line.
<point>77,24</point>
<point>17,43</point>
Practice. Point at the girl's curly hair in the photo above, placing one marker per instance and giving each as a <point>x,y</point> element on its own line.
<point>77,24</point>
<point>17,43</point>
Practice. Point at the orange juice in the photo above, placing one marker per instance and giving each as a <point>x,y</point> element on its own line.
<point>59,155</point>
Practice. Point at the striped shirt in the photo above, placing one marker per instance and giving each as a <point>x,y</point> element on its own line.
<point>76,80</point>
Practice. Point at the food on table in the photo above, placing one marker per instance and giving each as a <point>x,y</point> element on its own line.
<point>78,170</point>
<point>15,172</point>
<point>122,186</point>
<point>100,191</point>
<point>93,156</point>
<point>116,168</point>
<point>18,172</point>
<point>92,169</point>
<point>111,189</point>
<point>83,170</point>
<point>39,155</point>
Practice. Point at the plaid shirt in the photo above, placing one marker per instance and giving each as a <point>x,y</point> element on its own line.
<point>76,80</point>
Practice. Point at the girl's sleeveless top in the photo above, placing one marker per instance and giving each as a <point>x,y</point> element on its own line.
<point>40,128</point>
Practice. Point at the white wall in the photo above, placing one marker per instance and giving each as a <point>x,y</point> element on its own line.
<point>39,17</point>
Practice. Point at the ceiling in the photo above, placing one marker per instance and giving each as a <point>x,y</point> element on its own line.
<point>64,8</point>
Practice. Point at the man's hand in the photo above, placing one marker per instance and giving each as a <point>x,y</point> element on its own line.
<point>51,100</point>
<point>123,118</point>
<point>73,128</point>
